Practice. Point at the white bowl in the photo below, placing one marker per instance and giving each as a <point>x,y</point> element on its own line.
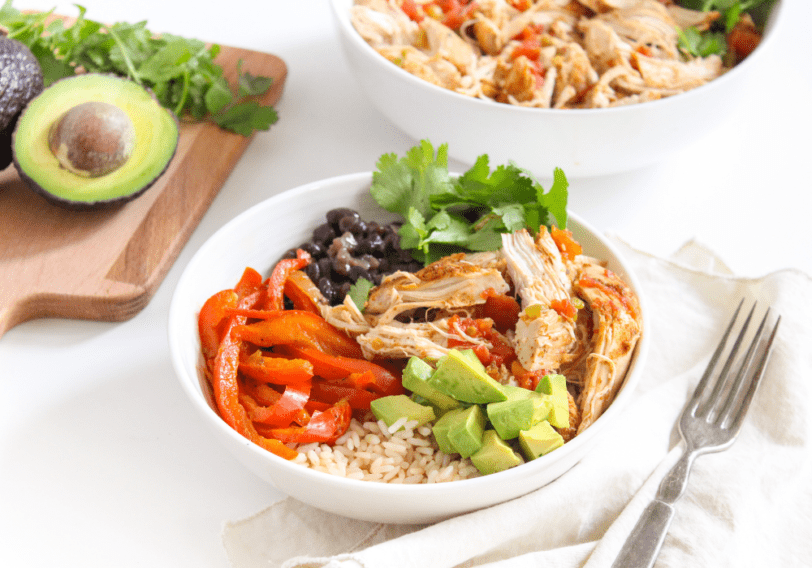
<point>258,238</point>
<point>583,142</point>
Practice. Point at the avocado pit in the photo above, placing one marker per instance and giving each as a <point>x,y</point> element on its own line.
<point>92,139</point>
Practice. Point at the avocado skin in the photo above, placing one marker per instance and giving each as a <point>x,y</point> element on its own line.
<point>20,81</point>
<point>102,203</point>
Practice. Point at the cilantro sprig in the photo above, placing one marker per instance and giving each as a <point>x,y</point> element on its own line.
<point>444,214</point>
<point>712,41</point>
<point>180,72</point>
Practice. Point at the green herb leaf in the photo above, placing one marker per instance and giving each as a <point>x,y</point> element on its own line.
<point>444,215</point>
<point>246,117</point>
<point>359,292</point>
<point>181,72</point>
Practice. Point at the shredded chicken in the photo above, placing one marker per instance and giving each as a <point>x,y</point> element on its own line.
<point>422,315</point>
<point>449,283</point>
<point>550,54</point>
<point>617,326</point>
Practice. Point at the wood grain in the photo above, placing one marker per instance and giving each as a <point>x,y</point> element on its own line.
<point>107,264</point>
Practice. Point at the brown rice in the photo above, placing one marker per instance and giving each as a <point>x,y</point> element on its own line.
<point>400,453</point>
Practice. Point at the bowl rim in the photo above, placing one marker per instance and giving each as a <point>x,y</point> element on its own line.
<point>341,15</point>
<point>179,323</point>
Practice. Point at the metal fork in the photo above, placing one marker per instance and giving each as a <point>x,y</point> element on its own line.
<point>710,423</point>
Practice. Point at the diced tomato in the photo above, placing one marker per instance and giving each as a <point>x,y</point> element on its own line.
<point>565,308</point>
<point>569,247</point>
<point>410,8</point>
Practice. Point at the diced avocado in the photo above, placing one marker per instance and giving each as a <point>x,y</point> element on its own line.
<point>555,386</point>
<point>520,411</point>
<point>415,378</point>
<point>441,428</point>
<point>390,409</point>
<point>494,455</point>
<point>465,434</point>
<point>464,378</point>
<point>539,440</point>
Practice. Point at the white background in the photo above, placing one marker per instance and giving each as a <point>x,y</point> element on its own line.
<point>102,460</point>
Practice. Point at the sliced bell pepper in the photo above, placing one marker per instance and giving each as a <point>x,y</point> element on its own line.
<point>276,370</point>
<point>334,368</point>
<point>301,329</point>
<point>262,393</point>
<point>227,395</point>
<point>288,409</point>
<point>279,275</point>
<point>330,393</point>
<point>212,320</point>
<point>303,293</point>
<point>324,427</point>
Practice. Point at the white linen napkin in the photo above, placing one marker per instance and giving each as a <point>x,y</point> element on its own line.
<point>748,506</point>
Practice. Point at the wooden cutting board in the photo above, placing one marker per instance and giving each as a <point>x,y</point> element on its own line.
<point>106,265</point>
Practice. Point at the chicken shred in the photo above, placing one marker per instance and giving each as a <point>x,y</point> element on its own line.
<point>419,315</point>
<point>553,54</point>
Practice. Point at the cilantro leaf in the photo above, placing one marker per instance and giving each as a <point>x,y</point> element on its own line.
<point>359,292</point>
<point>246,117</point>
<point>181,72</point>
<point>443,214</point>
<point>401,184</point>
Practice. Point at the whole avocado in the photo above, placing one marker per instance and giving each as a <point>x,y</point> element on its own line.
<point>20,81</point>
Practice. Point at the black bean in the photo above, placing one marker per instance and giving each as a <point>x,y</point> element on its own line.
<point>313,271</point>
<point>341,266</point>
<point>290,253</point>
<point>324,234</point>
<point>377,244</point>
<point>327,288</point>
<point>316,250</point>
<point>325,267</point>
<point>402,256</point>
<point>344,289</point>
<point>334,215</point>
<point>356,272</point>
<point>353,224</point>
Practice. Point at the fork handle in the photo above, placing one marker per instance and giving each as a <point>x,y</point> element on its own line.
<point>643,544</point>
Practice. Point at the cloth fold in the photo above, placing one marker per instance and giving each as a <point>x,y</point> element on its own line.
<point>748,506</point>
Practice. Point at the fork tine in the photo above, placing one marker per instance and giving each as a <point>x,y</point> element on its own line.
<point>757,373</point>
<point>728,403</point>
<point>713,402</point>
<point>703,382</point>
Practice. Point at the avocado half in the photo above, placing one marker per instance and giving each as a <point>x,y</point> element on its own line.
<point>20,81</point>
<point>109,122</point>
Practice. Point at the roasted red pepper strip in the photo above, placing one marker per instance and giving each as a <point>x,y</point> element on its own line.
<point>261,393</point>
<point>288,409</point>
<point>301,329</point>
<point>330,393</point>
<point>280,273</point>
<point>323,427</point>
<point>302,292</point>
<point>276,370</point>
<point>227,395</point>
<point>334,368</point>
<point>212,320</point>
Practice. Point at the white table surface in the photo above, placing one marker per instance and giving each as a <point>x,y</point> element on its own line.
<point>102,460</point>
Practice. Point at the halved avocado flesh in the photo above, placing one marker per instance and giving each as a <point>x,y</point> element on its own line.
<point>155,132</point>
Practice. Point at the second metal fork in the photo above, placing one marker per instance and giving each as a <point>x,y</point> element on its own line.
<point>710,423</point>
